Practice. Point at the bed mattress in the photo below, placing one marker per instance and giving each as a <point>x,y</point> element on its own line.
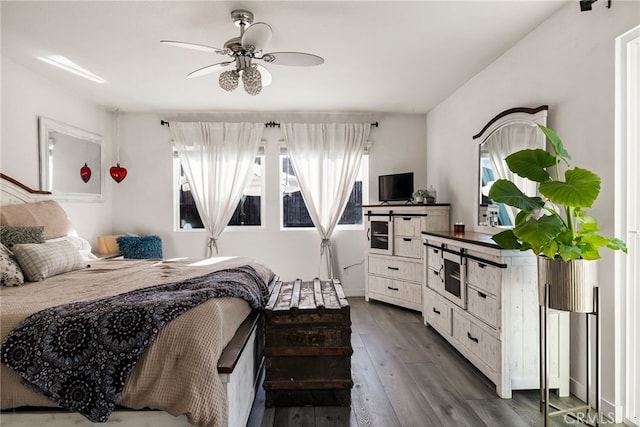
<point>178,371</point>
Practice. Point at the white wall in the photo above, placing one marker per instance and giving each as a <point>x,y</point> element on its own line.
<point>567,63</point>
<point>143,202</point>
<point>25,96</point>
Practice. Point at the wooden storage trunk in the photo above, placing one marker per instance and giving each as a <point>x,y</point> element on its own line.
<point>308,345</point>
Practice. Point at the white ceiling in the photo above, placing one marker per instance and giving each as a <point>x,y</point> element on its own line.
<point>380,56</point>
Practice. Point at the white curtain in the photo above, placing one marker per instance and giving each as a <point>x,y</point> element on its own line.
<point>326,158</point>
<point>508,140</point>
<point>217,159</point>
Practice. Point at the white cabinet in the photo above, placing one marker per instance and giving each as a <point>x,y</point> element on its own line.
<point>496,327</point>
<point>393,263</point>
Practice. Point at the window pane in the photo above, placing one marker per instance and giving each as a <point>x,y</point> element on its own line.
<point>294,210</point>
<point>352,213</point>
<point>189,217</point>
<point>248,211</point>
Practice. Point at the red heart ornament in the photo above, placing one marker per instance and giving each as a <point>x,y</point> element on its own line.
<point>85,173</point>
<point>118,173</point>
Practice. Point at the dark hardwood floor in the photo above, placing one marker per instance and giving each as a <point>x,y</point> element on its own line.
<point>406,374</point>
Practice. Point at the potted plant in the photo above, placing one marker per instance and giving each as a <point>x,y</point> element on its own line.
<point>556,226</point>
<point>420,195</point>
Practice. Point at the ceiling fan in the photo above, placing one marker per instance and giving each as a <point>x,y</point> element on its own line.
<point>243,51</point>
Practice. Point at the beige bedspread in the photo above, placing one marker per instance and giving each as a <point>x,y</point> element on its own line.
<point>178,373</point>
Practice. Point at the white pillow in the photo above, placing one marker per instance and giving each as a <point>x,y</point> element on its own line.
<point>41,260</point>
<point>82,245</point>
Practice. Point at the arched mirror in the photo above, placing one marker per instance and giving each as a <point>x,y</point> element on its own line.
<point>510,131</point>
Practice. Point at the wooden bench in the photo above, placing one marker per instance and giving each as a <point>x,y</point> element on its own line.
<point>308,345</point>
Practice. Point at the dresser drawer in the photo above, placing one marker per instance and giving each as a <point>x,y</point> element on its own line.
<point>408,226</point>
<point>434,280</point>
<point>410,247</point>
<point>484,277</point>
<point>483,345</point>
<point>482,305</point>
<point>434,257</point>
<point>395,288</point>
<point>396,268</point>
<point>437,312</point>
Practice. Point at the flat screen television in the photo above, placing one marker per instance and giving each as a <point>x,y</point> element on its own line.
<point>395,187</point>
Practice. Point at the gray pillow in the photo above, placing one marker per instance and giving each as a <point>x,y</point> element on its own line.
<point>10,271</point>
<point>39,261</point>
<point>11,235</point>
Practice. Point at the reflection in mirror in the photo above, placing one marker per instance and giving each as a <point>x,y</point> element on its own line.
<point>510,131</point>
<point>64,152</point>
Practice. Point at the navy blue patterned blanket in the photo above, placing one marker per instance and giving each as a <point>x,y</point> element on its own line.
<point>80,355</point>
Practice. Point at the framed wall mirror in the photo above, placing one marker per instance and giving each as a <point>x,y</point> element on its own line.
<point>71,161</point>
<point>509,131</point>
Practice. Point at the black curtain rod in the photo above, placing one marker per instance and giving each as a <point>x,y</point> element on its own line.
<point>270,124</point>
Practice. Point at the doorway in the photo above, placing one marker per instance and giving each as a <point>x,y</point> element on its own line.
<point>628,212</point>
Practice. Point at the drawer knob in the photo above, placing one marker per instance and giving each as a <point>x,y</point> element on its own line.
<point>472,338</point>
<point>482,295</point>
<point>393,289</point>
<point>393,268</point>
<point>481,265</point>
<point>406,239</point>
<point>435,272</point>
<point>406,219</point>
<point>435,311</point>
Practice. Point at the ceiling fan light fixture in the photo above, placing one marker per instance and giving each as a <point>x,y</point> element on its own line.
<point>243,51</point>
<point>229,80</point>
<point>252,80</point>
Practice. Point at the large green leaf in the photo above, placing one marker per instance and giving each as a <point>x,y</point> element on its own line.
<point>595,240</point>
<point>555,141</point>
<point>551,249</point>
<point>580,190</point>
<point>588,228</point>
<point>584,219</point>
<point>521,217</point>
<point>504,191</point>
<point>617,244</point>
<point>565,237</point>
<point>531,164</point>
<point>506,240</point>
<point>538,233</point>
<point>567,253</point>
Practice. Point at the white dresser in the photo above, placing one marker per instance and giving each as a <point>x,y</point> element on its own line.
<point>393,263</point>
<point>487,307</point>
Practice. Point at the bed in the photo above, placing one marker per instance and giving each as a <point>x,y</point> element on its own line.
<point>201,369</point>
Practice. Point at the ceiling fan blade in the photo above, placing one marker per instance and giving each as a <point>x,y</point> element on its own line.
<point>266,75</point>
<point>298,59</point>
<point>194,46</point>
<point>208,69</point>
<point>257,35</point>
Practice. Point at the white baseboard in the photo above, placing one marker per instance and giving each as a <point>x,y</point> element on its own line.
<point>609,409</point>
<point>633,422</point>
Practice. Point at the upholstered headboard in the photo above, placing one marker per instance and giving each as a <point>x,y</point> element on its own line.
<point>24,206</point>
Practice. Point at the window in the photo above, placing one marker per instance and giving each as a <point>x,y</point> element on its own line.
<point>294,210</point>
<point>247,213</point>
